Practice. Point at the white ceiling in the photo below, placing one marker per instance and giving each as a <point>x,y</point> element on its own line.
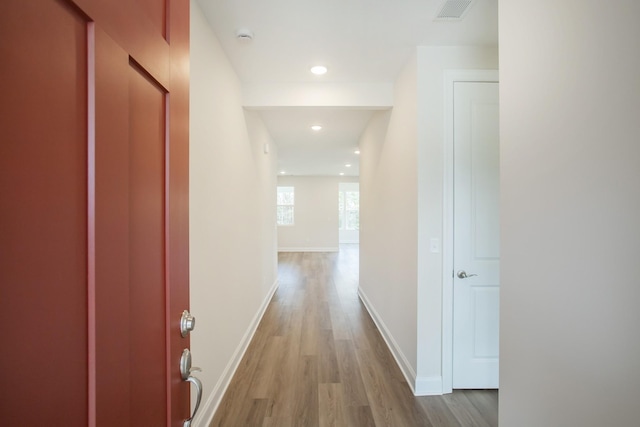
<point>360,41</point>
<point>303,151</point>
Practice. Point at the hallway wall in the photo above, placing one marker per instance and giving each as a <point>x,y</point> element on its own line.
<point>315,214</point>
<point>388,219</point>
<point>570,174</point>
<point>401,196</point>
<point>315,225</point>
<point>433,63</point>
<point>233,265</point>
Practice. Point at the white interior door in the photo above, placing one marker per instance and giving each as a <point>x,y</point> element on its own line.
<point>476,236</point>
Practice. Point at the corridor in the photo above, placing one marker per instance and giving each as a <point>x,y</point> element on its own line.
<point>317,359</point>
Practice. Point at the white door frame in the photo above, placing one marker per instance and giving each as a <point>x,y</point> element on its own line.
<point>450,77</point>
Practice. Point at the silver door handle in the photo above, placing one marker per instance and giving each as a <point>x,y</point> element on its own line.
<point>463,274</point>
<point>196,382</point>
<point>185,372</point>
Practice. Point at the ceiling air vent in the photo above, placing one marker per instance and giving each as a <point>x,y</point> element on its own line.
<point>244,35</point>
<point>453,10</point>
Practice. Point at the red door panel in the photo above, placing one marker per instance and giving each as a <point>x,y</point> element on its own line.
<point>147,252</point>
<point>132,25</point>
<point>156,11</point>
<point>94,222</point>
<point>109,351</point>
<point>43,221</point>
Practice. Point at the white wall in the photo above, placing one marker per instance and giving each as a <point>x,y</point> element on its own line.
<point>433,62</point>
<point>388,219</point>
<point>232,214</point>
<point>570,177</point>
<point>315,215</point>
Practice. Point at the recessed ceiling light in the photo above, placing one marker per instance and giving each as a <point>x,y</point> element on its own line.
<point>356,152</point>
<point>282,172</point>
<point>316,127</point>
<point>341,173</point>
<point>319,70</point>
<point>348,165</point>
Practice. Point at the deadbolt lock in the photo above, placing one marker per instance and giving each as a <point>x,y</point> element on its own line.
<point>187,323</point>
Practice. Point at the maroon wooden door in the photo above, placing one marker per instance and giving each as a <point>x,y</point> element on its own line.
<point>94,215</point>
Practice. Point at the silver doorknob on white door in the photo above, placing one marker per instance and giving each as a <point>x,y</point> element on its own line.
<point>463,274</point>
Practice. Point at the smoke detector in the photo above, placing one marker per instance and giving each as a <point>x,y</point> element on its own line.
<point>453,10</point>
<point>244,35</point>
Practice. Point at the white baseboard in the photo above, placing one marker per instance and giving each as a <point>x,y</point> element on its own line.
<point>328,249</point>
<point>428,386</point>
<point>208,408</point>
<point>397,353</point>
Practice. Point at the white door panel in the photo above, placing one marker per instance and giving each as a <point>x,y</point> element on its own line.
<point>476,235</point>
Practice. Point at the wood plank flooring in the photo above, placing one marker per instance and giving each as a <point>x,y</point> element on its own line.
<point>317,359</point>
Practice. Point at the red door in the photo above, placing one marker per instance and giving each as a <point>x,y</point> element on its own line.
<point>94,215</point>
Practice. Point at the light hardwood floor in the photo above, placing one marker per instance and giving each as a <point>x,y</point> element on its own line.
<point>317,359</point>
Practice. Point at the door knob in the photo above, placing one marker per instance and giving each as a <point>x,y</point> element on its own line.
<point>185,372</point>
<point>196,382</point>
<point>463,274</point>
<point>187,323</point>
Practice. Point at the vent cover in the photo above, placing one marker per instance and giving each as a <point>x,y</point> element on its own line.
<point>453,10</point>
<point>244,35</point>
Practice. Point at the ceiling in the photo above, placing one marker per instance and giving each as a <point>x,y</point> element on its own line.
<point>359,41</point>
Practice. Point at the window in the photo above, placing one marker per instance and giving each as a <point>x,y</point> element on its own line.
<point>285,202</point>
<point>349,210</point>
